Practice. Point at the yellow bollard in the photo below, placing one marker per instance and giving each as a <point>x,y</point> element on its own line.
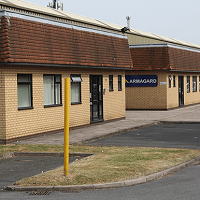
<point>66,128</point>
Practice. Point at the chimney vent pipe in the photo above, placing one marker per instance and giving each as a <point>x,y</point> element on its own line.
<point>128,21</point>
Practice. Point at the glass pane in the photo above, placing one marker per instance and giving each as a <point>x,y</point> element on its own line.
<point>110,86</point>
<point>24,78</point>
<point>100,89</point>
<point>57,91</point>
<point>119,85</point>
<point>199,83</point>
<point>194,83</point>
<point>24,96</point>
<point>100,111</point>
<point>57,78</point>
<point>48,87</point>
<point>95,110</point>
<point>75,92</point>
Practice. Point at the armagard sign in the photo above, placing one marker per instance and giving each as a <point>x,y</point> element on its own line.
<point>141,80</point>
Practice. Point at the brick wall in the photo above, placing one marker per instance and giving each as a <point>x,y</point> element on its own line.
<point>191,97</point>
<point>172,93</point>
<point>147,97</point>
<point>161,97</point>
<point>39,119</point>
<point>2,106</point>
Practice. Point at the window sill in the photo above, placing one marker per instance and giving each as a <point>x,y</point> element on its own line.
<point>74,103</point>
<point>120,90</point>
<point>48,106</point>
<point>25,108</point>
<point>101,120</point>
<point>111,90</point>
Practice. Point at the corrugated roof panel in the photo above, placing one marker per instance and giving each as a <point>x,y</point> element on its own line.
<point>46,10</point>
<point>110,25</point>
<point>143,33</point>
<point>29,6</point>
<point>188,44</point>
<point>81,18</point>
<point>167,39</point>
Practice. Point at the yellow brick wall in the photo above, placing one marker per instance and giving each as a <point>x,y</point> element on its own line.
<point>172,93</point>
<point>2,106</point>
<point>161,97</point>
<point>114,101</point>
<point>39,119</point>
<point>191,97</point>
<point>147,97</point>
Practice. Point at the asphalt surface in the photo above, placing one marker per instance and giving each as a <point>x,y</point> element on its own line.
<point>185,136</point>
<point>184,184</point>
<point>18,167</point>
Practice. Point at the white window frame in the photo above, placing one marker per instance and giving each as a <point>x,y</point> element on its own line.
<point>52,90</point>
<point>76,89</point>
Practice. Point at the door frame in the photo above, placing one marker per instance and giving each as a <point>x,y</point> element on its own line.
<point>99,102</point>
<point>181,90</point>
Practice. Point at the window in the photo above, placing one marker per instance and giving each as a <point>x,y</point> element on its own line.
<point>199,83</point>
<point>194,83</point>
<point>76,89</point>
<point>119,82</point>
<point>174,81</point>
<point>24,84</point>
<point>170,81</point>
<point>52,90</point>
<point>188,84</point>
<point>110,82</point>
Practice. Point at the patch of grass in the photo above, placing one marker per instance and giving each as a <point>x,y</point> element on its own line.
<point>111,164</point>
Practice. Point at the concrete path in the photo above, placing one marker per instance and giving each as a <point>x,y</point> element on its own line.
<point>133,119</point>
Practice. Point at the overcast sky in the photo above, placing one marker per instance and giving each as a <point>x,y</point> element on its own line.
<point>178,19</point>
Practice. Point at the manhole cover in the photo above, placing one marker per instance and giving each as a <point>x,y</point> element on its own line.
<point>40,193</point>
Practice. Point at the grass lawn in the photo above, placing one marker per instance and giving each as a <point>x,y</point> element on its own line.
<point>108,164</point>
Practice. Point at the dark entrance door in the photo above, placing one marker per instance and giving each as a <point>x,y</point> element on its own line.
<point>181,90</point>
<point>96,98</point>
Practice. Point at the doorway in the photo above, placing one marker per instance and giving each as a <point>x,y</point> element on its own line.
<point>96,98</point>
<point>181,90</point>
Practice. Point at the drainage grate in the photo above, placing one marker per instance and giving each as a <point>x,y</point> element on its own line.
<point>40,193</point>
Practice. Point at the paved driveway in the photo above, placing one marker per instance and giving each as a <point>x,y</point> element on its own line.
<point>185,136</point>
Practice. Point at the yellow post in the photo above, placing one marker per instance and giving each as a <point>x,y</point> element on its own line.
<point>66,128</point>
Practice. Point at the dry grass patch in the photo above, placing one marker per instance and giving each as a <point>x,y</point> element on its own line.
<point>30,148</point>
<point>111,164</point>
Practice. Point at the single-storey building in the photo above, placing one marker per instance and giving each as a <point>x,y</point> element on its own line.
<point>164,76</point>
<point>40,47</point>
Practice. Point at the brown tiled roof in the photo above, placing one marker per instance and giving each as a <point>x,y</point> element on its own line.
<point>150,58</point>
<point>165,58</point>
<point>181,59</point>
<point>25,41</point>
